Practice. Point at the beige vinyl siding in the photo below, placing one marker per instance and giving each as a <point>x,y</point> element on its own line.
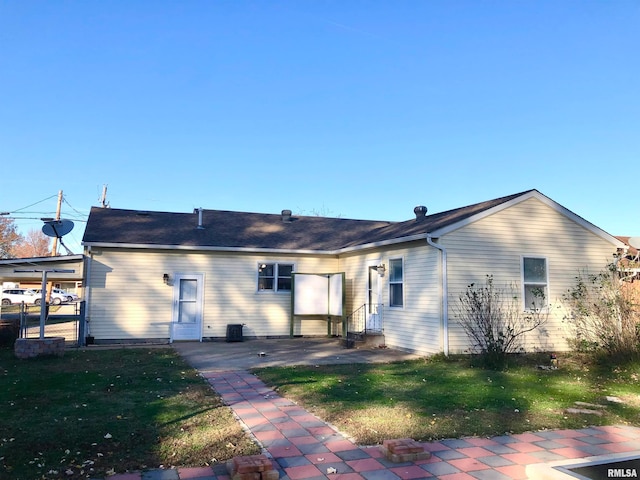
<point>416,325</point>
<point>127,297</point>
<point>130,301</point>
<point>235,297</point>
<point>355,268</point>
<point>495,246</point>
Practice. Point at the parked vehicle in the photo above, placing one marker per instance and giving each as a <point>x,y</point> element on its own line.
<point>57,296</point>
<point>71,297</point>
<point>19,295</point>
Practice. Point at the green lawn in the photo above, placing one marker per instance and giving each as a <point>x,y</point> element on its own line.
<point>97,411</point>
<point>92,412</point>
<point>437,399</point>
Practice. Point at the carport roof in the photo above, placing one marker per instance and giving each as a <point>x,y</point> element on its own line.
<point>243,230</point>
<point>30,269</point>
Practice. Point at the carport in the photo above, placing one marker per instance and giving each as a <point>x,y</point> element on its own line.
<point>29,272</point>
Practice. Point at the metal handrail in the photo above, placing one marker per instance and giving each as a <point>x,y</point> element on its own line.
<point>357,320</point>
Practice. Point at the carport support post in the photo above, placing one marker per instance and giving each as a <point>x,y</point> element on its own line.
<point>43,303</point>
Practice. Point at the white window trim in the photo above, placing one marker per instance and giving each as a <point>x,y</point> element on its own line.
<point>546,283</point>
<point>276,273</point>
<point>398,307</point>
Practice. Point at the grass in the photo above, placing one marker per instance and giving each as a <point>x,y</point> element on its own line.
<point>91,413</point>
<point>435,399</point>
<point>94,412</point>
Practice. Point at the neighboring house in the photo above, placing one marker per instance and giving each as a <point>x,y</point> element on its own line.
<point>171,276</point>
<point>629,260</point>
<point>629,266</point>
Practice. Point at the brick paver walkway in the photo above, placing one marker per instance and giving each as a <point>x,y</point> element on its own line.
<point>304,447</point>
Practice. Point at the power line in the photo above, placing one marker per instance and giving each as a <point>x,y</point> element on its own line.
<point>40,218</point>
<point>73,208</point>
<point>40,201</point>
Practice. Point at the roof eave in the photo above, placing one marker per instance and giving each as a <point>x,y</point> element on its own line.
<point>382,243</point>
<point>210,248</point>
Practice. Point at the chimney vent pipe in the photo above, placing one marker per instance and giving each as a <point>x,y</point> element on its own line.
<point>199,212</point>
<point>286,215</point>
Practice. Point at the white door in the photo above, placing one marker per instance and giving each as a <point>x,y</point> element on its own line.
<point>374,299</point>
<point>187,307</point>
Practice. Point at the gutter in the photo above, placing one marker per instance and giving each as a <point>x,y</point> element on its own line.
<point>445,295</point>
<point>209,248</point>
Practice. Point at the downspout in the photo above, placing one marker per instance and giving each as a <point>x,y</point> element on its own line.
<point>445,296</point>
<point>86,282</point>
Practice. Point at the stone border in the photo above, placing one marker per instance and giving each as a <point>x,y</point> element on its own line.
<point>39,347</point>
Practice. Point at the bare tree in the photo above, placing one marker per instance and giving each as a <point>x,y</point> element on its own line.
<point>33,244</point>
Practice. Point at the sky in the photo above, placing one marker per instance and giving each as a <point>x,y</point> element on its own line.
<point>350,108</point>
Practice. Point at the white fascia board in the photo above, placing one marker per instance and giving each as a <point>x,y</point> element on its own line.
<point>544,199</point>
<point>365,246</point>
<point>145,246</point>
<point>383,243</point>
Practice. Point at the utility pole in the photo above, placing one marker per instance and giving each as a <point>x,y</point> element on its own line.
<point>53,254</point>
<point>55,239</point>
<point>103,199</point>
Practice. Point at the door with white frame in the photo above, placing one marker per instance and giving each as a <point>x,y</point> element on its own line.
<point>374,298</point>
<point>186,321</point>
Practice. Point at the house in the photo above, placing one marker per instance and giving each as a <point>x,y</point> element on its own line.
<point>189,276</point>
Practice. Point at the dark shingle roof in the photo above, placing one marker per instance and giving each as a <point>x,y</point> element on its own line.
<point>228,229</point>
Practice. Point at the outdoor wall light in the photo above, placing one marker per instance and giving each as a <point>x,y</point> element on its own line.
<point>381,269</point>
<point>165,278</point>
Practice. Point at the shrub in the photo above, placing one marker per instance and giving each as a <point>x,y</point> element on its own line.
<point>605,314</point>
<point>9,331</point>
<point>495,323</point>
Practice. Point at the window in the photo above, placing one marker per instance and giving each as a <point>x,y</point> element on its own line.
<point>396,296</point>
<point>274,277</point>
<point>284,276</point>
<point>534,276</point>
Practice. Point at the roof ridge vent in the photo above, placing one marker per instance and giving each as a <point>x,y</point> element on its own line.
<point>420,212</point>
<point>286,215</point>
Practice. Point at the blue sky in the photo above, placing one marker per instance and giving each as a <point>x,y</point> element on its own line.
<point>359,109</point>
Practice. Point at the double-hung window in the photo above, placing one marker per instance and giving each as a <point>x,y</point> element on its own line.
<point>275,277</point>
<point>535,282</point>
<point>396,283</point>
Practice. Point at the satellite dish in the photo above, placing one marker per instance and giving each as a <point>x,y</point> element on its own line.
<point>635,242</point>
<point>57,228</point>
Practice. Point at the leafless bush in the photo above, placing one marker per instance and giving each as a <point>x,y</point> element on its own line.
<point>494,321</point>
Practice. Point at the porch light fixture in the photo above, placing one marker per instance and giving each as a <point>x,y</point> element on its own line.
<point>380,268</point>
<point>165,278</point>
